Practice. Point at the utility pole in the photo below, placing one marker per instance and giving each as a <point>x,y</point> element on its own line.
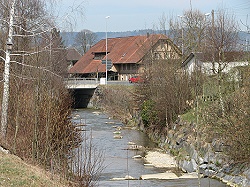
<point>5,100</point>
<point>106,80</point>
<point>212,24</point>
<point>182,35</point>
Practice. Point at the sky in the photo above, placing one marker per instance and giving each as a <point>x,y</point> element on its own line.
<point>130,15</point>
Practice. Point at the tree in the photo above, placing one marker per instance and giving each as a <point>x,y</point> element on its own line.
<point>84,40</point>
<point>39,105</point>
<point>232,129</point>
<point>222,38</point>
<point>161,83</point>
<point>163,24</point>
<point>189,31</point>
<point>165,93</point>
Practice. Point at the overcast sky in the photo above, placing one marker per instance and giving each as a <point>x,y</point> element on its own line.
<point>129,15</point>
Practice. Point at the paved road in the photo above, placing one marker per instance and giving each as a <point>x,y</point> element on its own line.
<point>119,82</point>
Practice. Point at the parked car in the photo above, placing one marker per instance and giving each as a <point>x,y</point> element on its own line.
<point>135,79</point>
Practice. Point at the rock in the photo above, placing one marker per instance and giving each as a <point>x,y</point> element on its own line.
<point>202,168</point>
<point>4,150</point>
<point>137,156</point>
<point>246,183</point>
<point>179,139</point>
<point>118,128</point>
<point>161,176</point>
<point>109,122</point>
<point>208,173</point>
<point>135,147</point>
<point>189,166</point>
<point>212,167</point>
<point>131,143</point>
<point>151,165</point>
<point>127,177</point>
<point>247,174</point>
<point>161,160</point>
<point>189,176</point>
<point>217,146</point>
<point>118,137</point>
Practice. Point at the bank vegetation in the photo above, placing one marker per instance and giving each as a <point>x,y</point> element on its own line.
<point>217,104</point>
<point>39,126</point>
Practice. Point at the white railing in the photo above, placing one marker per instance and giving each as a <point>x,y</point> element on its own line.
<point>81,82</point>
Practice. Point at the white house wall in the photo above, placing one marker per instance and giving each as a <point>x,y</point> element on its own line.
<point>207,67</point>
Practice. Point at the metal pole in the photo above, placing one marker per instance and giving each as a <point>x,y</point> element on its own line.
<point>182,45</point>
<point>182,35</point>
<point>106,79</point>
<point>5,100</point>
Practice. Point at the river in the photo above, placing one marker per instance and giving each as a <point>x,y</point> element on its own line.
<point>118,159</point>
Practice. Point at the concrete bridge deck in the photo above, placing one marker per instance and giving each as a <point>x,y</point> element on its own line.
<point>81,83</point>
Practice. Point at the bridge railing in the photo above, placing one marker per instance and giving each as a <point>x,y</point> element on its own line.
<point>82,80</point>
<point>75,82</point>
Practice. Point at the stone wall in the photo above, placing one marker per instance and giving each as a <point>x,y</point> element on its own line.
<point>194,155</point>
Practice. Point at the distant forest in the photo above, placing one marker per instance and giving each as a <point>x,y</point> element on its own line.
<point>69,37</point>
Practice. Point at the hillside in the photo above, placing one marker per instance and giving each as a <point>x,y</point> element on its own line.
<point>69,37</point>
<point>15,172</point>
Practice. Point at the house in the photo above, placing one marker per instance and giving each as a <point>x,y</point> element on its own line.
<point>204,62</point>
<point>126,55</point>
<point>72,57</point>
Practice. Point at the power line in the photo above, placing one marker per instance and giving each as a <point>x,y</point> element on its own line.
<point>37,67</point>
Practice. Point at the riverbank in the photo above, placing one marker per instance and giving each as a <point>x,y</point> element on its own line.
<point>205,157</point>
<point>159,159</point>
<point>15,172</point>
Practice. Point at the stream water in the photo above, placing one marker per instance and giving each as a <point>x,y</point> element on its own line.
<point>118,159</point>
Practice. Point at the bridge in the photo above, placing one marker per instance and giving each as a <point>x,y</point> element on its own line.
<point>90,83</point>
<point>82,89</point>
<point>81,83</point>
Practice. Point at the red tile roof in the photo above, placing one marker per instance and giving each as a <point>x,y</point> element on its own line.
<point>73,54</point>
<point>120,50</point>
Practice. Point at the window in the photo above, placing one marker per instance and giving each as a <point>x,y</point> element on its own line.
<point>99,55</point>
<point>157,56</point>
<point>128,67</point>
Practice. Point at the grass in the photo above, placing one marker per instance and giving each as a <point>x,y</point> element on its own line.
<point>15,172</point>
<point>190,116</point>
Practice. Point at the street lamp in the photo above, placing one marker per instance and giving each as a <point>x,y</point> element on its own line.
<point>106,79</point>
<point>206,15</point>
<point>182,44</point>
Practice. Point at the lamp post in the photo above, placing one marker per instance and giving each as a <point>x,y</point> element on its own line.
<point>182,35</point>
<point>106,77</point>
<point>206,15</point>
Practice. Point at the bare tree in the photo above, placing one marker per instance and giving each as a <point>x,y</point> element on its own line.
<point>222,39</point>
<point>39,108</point>
<point>188,31</point>
<point>165,94</point>
<point>163,24</point>
<point>84,40</point>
